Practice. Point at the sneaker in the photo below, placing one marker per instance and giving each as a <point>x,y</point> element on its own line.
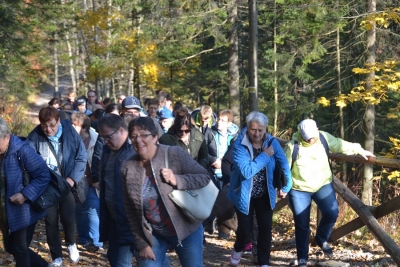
<point>223,236</point>
<point>248,248</point>
<point>302,263</point>
<point>264,265</point>
<point>235,258</point>
<point>326,249</point>
<point>57,262</point>
<point>73,253</point>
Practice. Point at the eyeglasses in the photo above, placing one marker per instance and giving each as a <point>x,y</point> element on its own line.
<point>108,137</point>
<point>141,136</point>
<point>183,131</point>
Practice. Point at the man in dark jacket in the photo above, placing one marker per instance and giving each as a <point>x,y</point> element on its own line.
<point>114,225</point>
<point>64,152</point>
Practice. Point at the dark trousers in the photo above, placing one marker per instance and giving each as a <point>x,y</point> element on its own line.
<point>261,206</point>
<point>17,244</point>
<point>66,210</point>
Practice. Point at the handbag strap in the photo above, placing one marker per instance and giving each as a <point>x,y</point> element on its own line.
<point>55,155</point>
<point>166,158</point>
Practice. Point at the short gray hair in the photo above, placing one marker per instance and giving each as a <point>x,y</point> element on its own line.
<point>4,129</point>
<point>257,117</point>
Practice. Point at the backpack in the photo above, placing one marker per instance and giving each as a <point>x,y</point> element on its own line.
<point>279,179</point>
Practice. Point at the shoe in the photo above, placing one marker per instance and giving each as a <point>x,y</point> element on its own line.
<point>222,235</point>
<point>302,263</point>
<point>73,253</point>
<point>327,249</point>
<point>235,258</point>
<point>248,248</point>
<point>264,265</point>
<point>57,262</point>
<point>91,247</point>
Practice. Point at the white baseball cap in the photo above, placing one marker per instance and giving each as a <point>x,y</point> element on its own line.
<point>308,129</point>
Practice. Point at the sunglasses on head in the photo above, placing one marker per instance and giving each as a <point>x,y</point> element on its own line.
<point>183,131</point>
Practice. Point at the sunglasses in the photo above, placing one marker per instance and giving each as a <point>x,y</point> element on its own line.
<point>183,131</point>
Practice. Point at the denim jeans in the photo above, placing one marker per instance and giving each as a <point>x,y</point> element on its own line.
<point>262,208</point>
<point>300,203</point>
<point>66,211</point>
<point>17,244</point>
<point>87,219</point>
<point>190,253</point>
<point>118,255</point>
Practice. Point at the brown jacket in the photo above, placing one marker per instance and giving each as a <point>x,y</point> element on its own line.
<point>189,175</point>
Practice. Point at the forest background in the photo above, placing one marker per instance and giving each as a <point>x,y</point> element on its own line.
<point>333,61</point>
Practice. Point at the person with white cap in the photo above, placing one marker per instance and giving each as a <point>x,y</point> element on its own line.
<point>312,180</point>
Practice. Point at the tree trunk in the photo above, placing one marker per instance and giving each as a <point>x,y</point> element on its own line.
<point>253,60</point>
<point>275,79</point>
<point>55,63</point>
<point>233,57</point>
<point>369,117</point>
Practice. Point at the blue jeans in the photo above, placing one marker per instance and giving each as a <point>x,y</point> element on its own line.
<point>87,219</point>
<point>118,255</point>
<point>190,253</point>
<point>300,203</point>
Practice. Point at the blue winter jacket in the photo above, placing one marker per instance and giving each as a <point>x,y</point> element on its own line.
<point>73,150</point>
<point>124,233</point>
<point>20,216</point>
<point>245,166</point>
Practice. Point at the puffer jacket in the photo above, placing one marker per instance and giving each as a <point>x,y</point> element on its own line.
<point>189,175</point>
<point>311,169</point>
<point>245,166</point>
<point>20,216</point>
<point>197,147</point>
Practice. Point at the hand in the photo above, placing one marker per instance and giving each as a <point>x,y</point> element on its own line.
<point>96,185</point>
<point>72,182</point>
<point>147,254</point>
<point>365,154</point>
<point>169,176</point>
<point>269,151</point>
<point>216,164</point>
<point>17,199</point>
<point>282,194</point>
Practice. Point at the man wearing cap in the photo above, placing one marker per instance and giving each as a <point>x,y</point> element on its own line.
<point>312,180</point>
<point>131,105</point>
<point>81,106</point>
<point>166,119</point>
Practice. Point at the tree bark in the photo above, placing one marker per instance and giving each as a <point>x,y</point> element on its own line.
<point>253,59</point>
<point>233,58</point>
<point>369,116</point>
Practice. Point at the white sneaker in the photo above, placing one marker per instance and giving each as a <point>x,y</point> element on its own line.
<point>73,253</point>
<point>235,258</point>
<point>57,262</point>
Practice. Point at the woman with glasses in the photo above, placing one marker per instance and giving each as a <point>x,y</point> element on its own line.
<point>184,134</point>
<point>155,221</point>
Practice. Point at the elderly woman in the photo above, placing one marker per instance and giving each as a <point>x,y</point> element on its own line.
<point>64,152</point>
<point>251,185</point>
<point>154,219</point>
<point>17,218</point>
<point>312,180</point>
<point>184,134</point>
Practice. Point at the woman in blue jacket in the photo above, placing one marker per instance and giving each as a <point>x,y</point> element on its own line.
<point>251,185</point>
<point>17,218</point>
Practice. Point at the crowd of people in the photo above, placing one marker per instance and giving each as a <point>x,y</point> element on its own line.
<point>120,148</point>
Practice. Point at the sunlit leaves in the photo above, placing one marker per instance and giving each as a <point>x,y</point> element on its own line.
<point>382,19</point>
<point>324,102</point>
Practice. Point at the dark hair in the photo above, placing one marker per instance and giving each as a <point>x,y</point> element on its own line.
<point>54,101</point>
<point>178,105</point>
<point>92,91</point>
<point>128,118</point>
<point>143,123</point>
<point>182,117</point>
<point>107,101</point>
<point>152,101</point>
<point>97,113</point>
<point>113,106</point>
<point>169,97</point>
<point>112,121</point>
<point>48,113</point>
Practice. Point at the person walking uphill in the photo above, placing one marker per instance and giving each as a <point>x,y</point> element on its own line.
<point>312,180</point>
<point>17,218</point>
<point>251,185</point>
<point>64,152</point>
<point>155,221</point>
